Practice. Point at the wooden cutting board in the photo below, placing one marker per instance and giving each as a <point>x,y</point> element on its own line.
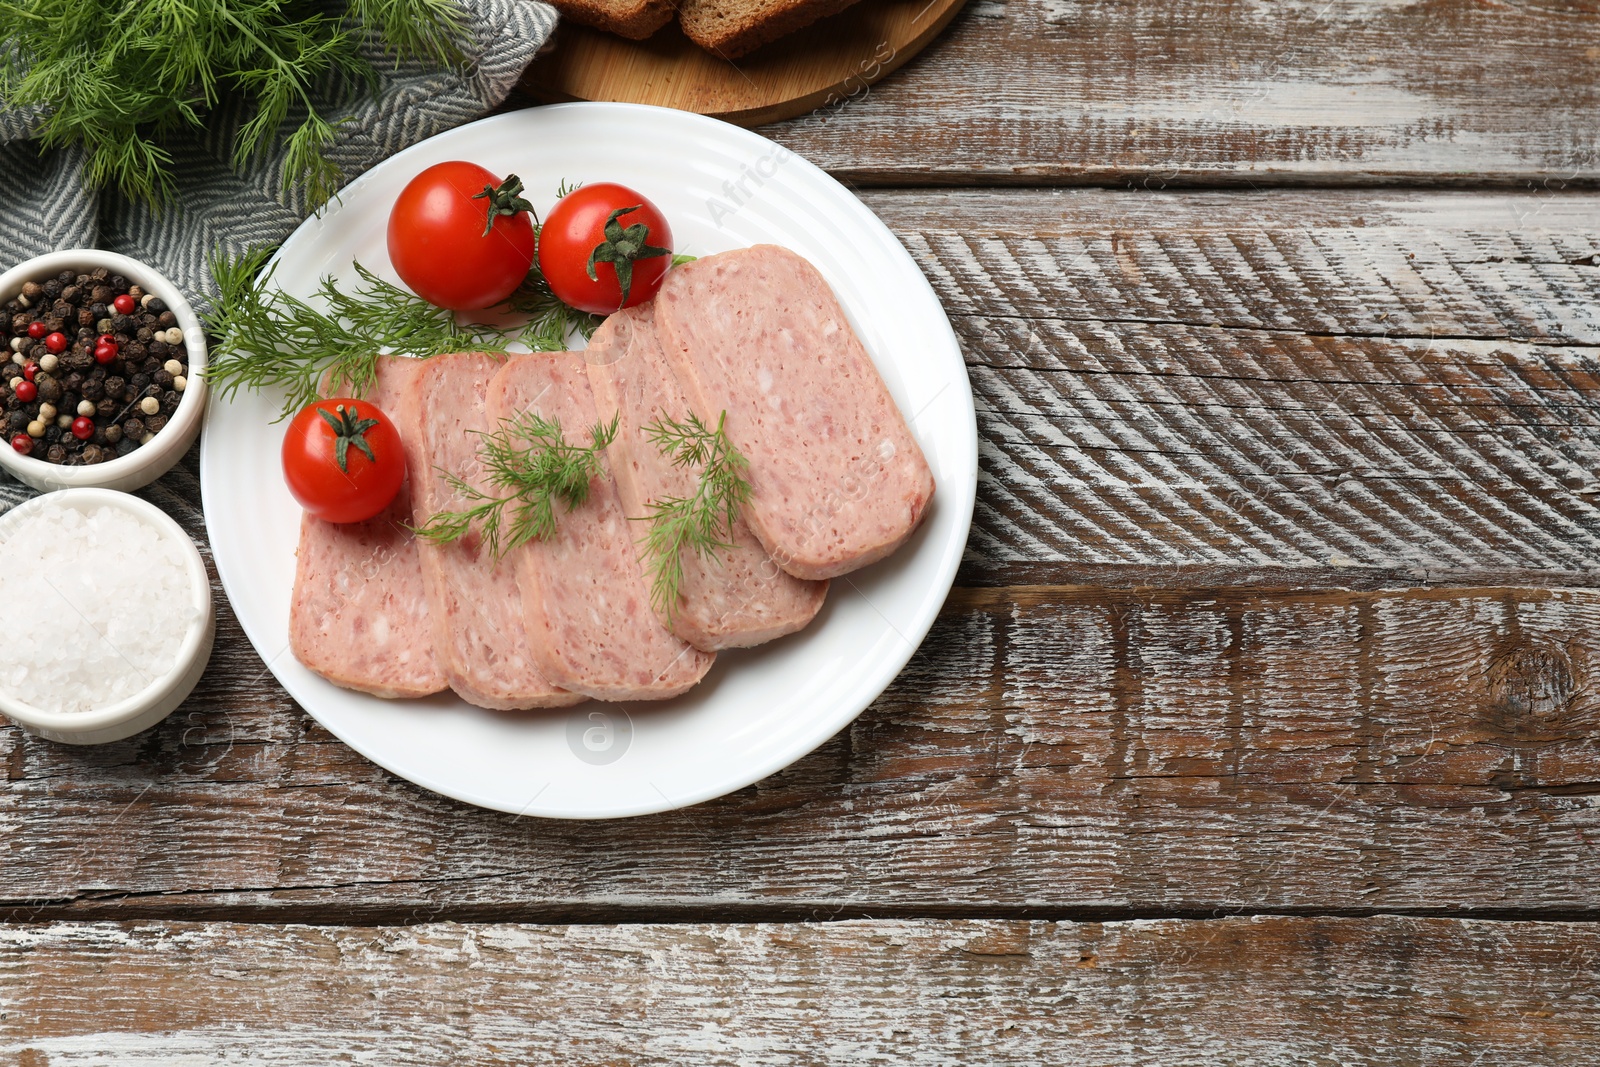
<point>825,64</point>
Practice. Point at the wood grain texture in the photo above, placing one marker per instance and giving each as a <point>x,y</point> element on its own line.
<point>1149,419</point>
<point>1155,93</point>
<point>1368,389</point>
<point>820,65</point>
<point>1050,752</point>
<point>1266,991</point>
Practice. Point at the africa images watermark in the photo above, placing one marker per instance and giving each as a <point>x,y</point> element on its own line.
<point>743,188</point>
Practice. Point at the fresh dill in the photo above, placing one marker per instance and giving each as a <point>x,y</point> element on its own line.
<point>117,81</point>
<point>268,338</point>
<point>550,320</point>
<point>702,522</point>
<point>532,464</point>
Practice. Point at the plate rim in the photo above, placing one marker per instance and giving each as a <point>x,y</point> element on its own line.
<point>964,490</point>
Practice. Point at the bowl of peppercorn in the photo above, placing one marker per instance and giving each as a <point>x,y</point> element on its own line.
<point>103,381</point>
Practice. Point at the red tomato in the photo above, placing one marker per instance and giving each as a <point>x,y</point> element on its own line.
<point>460,238</point>
<point>604,247</point>
<point>348,482</point>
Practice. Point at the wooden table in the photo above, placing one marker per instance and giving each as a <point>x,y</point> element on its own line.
<point>1260,728</point>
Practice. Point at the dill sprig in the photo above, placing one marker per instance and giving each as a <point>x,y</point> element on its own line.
<point>117,81</point>
<point>550,320</point>
<point>702,522</point>
<point>532,465</point>
<point>269,338</point>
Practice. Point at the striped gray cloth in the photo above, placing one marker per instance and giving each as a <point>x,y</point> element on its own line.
<point>44,206</point>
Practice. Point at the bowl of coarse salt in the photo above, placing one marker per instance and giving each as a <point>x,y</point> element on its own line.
<point>120,615</point>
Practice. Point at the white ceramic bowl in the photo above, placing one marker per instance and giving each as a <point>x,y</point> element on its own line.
<point>148,462</point>
<point>162,696</point>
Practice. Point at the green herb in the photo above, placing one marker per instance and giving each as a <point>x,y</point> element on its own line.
<point>115,80</point>
<point>551,320</point>
<point>701,522</point>
<point>271,339</point>
<point>533,464</point>
<point>621,247</point>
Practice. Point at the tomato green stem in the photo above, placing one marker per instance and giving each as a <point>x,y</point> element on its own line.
<point>621,247</point>
<point>504,200</point>
<point>348,430</point>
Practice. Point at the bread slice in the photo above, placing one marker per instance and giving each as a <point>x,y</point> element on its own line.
<point>636,19</point>
<point>730,28</point>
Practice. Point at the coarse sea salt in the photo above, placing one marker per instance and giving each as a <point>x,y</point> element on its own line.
<point>108,603</point>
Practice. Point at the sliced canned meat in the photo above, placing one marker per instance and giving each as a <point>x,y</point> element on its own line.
<point>586,601</point>
<point>735,598</point>
<point>479,636</point>
<point>837,480</point>
<point>359,615</point>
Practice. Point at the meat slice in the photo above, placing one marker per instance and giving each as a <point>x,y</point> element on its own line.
<point>478,633</point>
<point>837,481</point>
<point>585,599</point>
<point>359,616</point>
<point>736,599</point>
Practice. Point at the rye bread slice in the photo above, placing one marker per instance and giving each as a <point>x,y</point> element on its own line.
<point>730,28</point>
<point>636,19</point>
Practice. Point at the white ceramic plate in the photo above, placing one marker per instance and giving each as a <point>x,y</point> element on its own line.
<point>758,710</point>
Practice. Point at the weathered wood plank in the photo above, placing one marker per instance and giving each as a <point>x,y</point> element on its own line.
<point>1154,93</point>
<point>1051,752</point>
<point>1365,388</point>
<point>1263,991</point>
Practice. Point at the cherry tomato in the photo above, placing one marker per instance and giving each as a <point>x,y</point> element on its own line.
<point>22,443</point>
<point>36,330</point>
<point>56,342</point>
<point>604,247</point>
<point>123,305</point>
<point>25,390</point>
<point>461,238</point>
<point>343,460</point>
<point>83,427</point>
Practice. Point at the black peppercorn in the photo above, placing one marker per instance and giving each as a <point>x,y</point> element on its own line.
<point>133,428</point>
<point>106,407</point>
<point>17,422</point>
<point>56,454</point>
<point>140,383</point>
<point>155,423</point>
<point>52,288</point>
<point>85,317</point>
<point>156,305</point>
<point>49,389</point>
<point>126,445</point>
<point>167,319</point>
<point>115,385</point>
<point>94,388</point>
<point>113,433</point>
